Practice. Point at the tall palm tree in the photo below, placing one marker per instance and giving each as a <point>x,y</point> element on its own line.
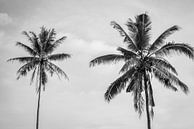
<point>40,59</point>
<point>142,61</point>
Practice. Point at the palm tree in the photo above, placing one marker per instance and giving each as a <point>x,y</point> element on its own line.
<point>142,61</point>
<point>40,59</point>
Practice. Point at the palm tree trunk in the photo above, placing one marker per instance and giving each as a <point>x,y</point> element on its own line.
<point>38,107</point>
<point>147,103</point>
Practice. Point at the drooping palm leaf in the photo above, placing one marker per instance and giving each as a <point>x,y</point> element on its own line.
<point>162,78</point>
<point>27,48</point>
<point>26,68</point>
<point>161,62</point>
<point>24,59</point>
<point>150,94</point>
<point>138,101</point>
<point>176,47</point>
<point>134,81</point>
<point>127,53</point>
<point>136,88</point>
<point>106,59</point>
<point>57,70</point>
<point>33,75</point>
<point>118,85</point>
<point>170,78</point>
<point>128,64</point>
<point>44,78</point>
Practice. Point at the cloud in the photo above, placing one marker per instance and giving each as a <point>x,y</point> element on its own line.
<point>5,19</point>
<point>80,46</point>
<point>89,47</point>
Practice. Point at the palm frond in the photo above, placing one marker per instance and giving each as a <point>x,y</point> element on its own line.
<point>51,47</point>
<point>117,86</point>
<point>164,79</point>
<point>150,94</point>
<point>134,82</point>
<point>181,48</point>
<point>59,41</point>
<point>35,42</point>
<point>51,36</point>
<point>49,69</point>
<point>143,25</point>
<point>26,68</point>
<point>24,59</point>
<point>55,69</point>
<point>128,64</point>
<point>43,35</point>
<point>127,39</point>
<point>44,78</point>
<point>28,36</point>
<point>60,56</point>
<point>33,75</point>
<point>38,79</point>
<point>131,27</point>
<point>127,53</point>
<point>107,59</point>
<point>138,102</point>
<point>27,48</point>
<point>144,19</point>
<point>160,40</point>
<point>170,78</point>
<point>161,62</point>
<point>136,88</point>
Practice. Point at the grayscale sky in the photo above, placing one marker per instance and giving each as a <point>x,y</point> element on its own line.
<point>79,103</point>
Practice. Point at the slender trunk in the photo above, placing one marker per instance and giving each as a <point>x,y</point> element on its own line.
<point>38,107</point>
<point>147,102</point>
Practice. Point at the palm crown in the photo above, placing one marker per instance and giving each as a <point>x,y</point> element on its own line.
<point>142,60</point>
<point>41,57</point>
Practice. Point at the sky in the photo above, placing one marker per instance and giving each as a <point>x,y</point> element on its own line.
<point>79,102</point>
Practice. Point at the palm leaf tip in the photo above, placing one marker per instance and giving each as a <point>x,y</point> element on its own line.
<point>8,60</point>
<point>115,88</point>
<point>183,87</point>
<point>92,63</point>
<point>107,97</point>
<point>118,85</point>
<point>143,18</point>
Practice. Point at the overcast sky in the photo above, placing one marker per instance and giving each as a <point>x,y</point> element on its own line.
<point>79,103</point>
